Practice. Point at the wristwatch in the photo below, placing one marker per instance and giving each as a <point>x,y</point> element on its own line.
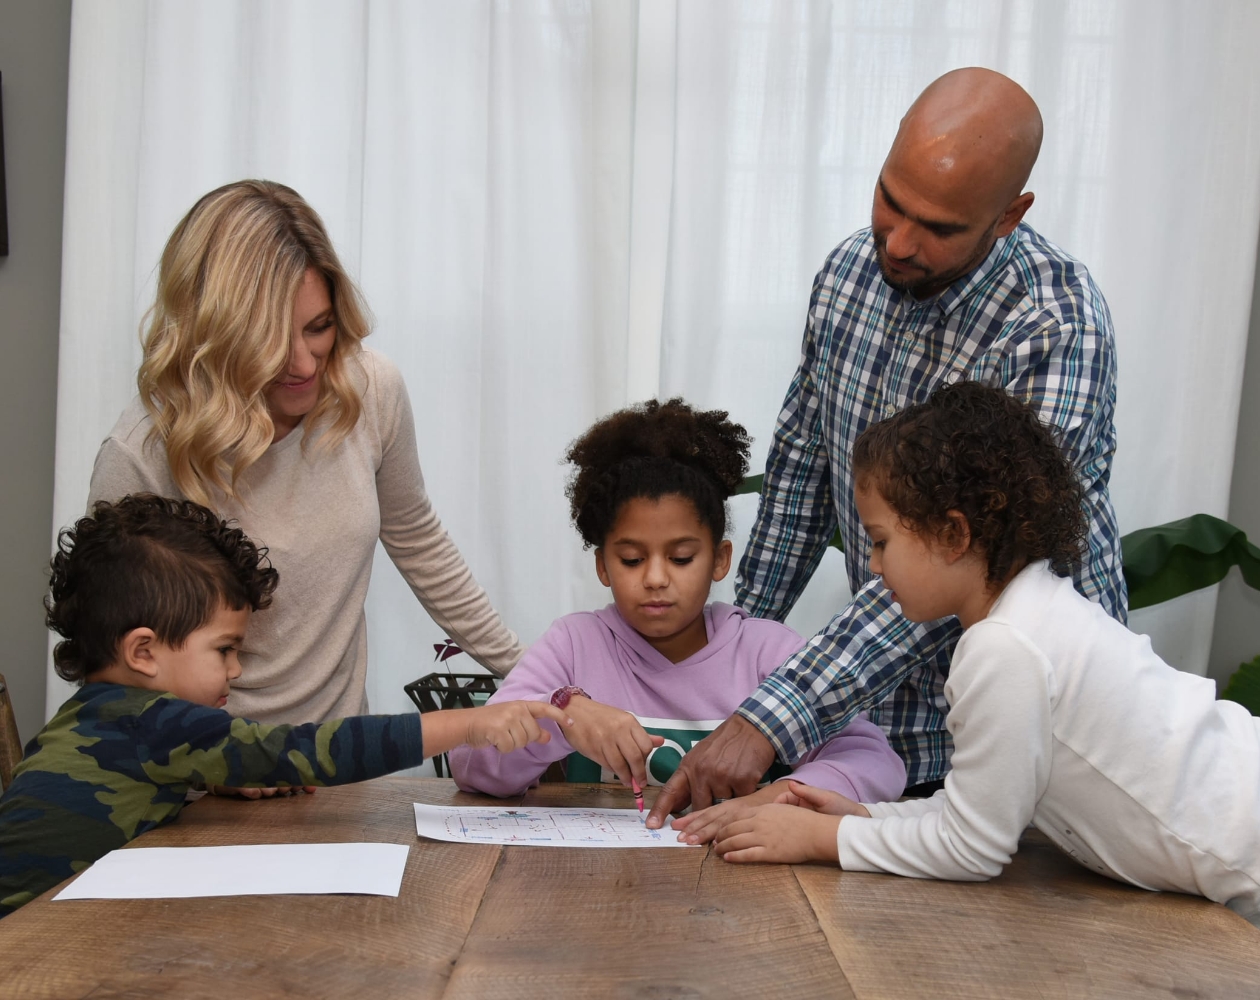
<point>562,695</point>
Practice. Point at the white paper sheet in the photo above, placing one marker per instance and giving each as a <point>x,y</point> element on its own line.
<point>248,870</point>
<point>539,826</point>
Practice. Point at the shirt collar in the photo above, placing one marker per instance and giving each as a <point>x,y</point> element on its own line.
<point>957,293</point>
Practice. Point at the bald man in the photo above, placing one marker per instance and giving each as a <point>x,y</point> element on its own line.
<point>947,283</point>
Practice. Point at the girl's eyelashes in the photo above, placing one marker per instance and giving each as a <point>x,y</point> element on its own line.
<point>632,561</point>
<point>224,650</point>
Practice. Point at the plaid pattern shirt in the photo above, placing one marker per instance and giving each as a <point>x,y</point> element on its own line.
<point>1030,319</point>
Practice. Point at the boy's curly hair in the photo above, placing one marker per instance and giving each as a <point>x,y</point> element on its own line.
<point>147,562</point>
<point>653,450</point>
<point>980,451</point>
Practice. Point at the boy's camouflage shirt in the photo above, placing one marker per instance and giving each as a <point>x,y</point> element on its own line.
<point>115,762</point>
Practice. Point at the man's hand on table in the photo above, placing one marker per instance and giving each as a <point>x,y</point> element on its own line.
<point>725,764</point>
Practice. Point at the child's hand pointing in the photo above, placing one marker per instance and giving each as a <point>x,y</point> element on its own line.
<point>506,726</point>
<point>510,725</point>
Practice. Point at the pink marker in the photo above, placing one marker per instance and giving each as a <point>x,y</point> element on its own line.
<point>638,797</point>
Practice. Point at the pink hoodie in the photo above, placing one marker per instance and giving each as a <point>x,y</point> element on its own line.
<point>599,652</point>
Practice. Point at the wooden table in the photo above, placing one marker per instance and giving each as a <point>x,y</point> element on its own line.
<point>484,922</point>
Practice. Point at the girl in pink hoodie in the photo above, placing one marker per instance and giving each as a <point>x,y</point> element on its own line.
<point>658,669</point>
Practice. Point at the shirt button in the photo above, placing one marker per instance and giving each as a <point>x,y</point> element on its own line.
<point>889,410</point>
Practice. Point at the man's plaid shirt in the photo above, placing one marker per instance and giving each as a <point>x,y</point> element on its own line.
<point>1029,318</point>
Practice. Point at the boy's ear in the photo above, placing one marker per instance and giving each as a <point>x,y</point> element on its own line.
<point>135,651</point>
<point>601,570</point>
<point>722,560</point>
<point>956,538</point>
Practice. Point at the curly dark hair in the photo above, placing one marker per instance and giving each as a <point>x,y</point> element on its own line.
<point>653,450</point>
<point>980,451</point>
<point>147,562</point>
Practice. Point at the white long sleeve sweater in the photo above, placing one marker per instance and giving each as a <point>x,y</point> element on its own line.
<point>1063,718</point>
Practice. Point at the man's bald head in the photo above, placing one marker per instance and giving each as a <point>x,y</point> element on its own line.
<point>952,184</point>
<point>977,128</point>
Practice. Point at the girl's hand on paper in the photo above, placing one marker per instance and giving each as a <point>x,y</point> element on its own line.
<point>779,833</point>
<point>701,826</point>
<point>612,738</point>
<point>818,800</point>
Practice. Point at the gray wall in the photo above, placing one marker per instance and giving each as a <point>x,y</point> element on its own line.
<point>1237,635</point>
<point>34,61</point>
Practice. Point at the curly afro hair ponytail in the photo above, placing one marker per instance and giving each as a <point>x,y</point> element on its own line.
<point>653,450</point>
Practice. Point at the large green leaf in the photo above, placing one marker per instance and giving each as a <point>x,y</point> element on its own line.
<point>1172,559</point>
<point>1244,686</point>
<point>752,484</point>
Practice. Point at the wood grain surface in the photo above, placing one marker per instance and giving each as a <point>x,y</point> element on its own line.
<point>1045,928</point>
<point>265,946</point>
<point>650,923</point>
<point>480,921</point>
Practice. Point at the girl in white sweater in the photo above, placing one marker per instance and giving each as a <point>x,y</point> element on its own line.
<point>1060,716</point>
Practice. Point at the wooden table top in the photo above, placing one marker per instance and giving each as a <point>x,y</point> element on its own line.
<point>484,922</point>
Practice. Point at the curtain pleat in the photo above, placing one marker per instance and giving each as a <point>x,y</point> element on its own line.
<point>555,209</point>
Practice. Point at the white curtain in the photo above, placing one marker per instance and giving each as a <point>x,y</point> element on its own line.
<point>558,208</point>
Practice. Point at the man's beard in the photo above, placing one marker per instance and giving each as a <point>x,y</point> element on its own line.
<point>905,285</point>
<point>932,282</point>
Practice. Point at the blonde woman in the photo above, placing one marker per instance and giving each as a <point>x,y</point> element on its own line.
<point>258,399</point>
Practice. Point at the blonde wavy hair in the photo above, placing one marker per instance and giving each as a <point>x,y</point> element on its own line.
<point>218,334</point>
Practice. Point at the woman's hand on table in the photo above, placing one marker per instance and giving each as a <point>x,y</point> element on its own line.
<point>612,738</point>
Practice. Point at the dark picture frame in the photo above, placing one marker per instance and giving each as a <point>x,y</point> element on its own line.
<point>4,198</point>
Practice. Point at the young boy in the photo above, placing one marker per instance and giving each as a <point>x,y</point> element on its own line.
<point>152,598</point>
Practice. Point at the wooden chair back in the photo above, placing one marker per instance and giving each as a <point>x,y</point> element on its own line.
<point>10,745</point>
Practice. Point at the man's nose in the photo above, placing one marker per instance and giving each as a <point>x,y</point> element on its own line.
<point>900,242</point>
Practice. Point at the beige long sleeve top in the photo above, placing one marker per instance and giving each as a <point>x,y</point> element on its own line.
<point>320,512</point>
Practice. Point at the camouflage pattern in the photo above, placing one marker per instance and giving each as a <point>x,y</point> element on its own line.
<point>115,762</point>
